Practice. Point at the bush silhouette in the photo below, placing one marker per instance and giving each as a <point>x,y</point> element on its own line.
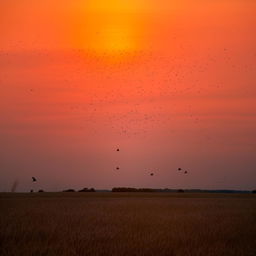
<point>124,189</point>
<point>87,190</point>
<point>69,190</point>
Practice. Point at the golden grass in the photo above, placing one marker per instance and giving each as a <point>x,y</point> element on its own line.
<point>127,224</point>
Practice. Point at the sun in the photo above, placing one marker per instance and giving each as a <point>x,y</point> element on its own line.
<point>114,39</point>
<point>109,27</point>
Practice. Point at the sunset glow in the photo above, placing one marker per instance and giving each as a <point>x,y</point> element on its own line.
<point>107,29</point>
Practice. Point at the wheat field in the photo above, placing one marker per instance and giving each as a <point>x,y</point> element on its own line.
<point>119,224</point>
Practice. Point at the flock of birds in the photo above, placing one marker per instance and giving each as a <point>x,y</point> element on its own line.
<point>179,169</point>
<point>147,79</point>
<point>118,168</point>
<point>152,173</point>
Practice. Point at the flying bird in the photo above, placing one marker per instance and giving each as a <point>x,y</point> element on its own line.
<point>185,172</point>
<point>117,149</point>
<point>179,169</point>
<point>152,174</point>
<point>117,168</point>
<point>33,179</point>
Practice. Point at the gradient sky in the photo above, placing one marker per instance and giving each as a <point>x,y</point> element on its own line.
<point>170,83</point>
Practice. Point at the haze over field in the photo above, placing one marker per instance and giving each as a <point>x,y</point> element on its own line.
<point>169,83</point>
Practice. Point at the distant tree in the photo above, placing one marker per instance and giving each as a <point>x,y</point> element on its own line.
<point>31,190</point>
<point>87,190</point>
<point>83,190</point>
<point>180,191</point>
<point>254,191</point>
<point>40,191</point>
<point>69,190</point>
<point>124,189</point>
<point>145,190</point>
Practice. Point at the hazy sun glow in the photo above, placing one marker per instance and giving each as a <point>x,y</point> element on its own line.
<point>109,27</point>
<point>110,37</point>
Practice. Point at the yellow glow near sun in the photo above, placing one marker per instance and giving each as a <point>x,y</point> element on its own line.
<point>116,39</point>
<point>115,5</point>
<point>110,27</point>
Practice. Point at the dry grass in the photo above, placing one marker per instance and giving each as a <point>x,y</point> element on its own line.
<point>127,224</point>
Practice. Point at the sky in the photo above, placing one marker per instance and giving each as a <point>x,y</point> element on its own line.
<point>171,84</point>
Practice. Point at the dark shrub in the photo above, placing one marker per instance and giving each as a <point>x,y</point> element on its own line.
<point>145,190</point>
<point>69,190</point>
<point>40,191</point>
<point>87,190</point>
<point>83,190</point>
<point>254,191</point>
<point>180,191</point>
<point>123,189</point>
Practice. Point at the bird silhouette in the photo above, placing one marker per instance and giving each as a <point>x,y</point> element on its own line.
<point>118,149</point>
<point>152,174</point>
<point>179,169</point>
<point>185,172</point>
<point>33,179</point>
<point>117,168</point>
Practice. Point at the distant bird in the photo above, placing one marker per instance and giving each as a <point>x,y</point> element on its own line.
<point>151,174</point>
<point>179,169</point>
<point>33,179</point>
<point>117,149</point>
<point>117,168</point>
<point>185,172</point>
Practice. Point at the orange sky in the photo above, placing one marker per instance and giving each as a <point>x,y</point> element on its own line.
<point>171,83</point>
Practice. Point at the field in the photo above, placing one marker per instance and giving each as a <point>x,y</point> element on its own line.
<point>105,224</point>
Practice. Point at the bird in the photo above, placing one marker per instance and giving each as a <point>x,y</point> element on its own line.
<point>179,169</point>
<point>117,149</point>
<point>185,172</point>
<point>117,168</point>
<point>151,174</point>
<point>33,179</point>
